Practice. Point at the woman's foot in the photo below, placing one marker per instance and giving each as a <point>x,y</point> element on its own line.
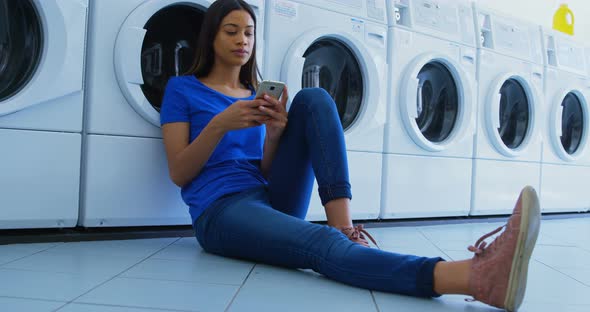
<point>499,271</point>
<point>357,235</point>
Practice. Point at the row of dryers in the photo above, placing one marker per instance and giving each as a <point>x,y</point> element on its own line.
<point>448,109</point>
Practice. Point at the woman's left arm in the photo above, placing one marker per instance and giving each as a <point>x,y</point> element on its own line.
<point>277,109</point>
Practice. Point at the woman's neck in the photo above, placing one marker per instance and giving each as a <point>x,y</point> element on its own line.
<point>223,75</point>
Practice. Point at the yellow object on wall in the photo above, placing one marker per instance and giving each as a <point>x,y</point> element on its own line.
<point>563,20</point>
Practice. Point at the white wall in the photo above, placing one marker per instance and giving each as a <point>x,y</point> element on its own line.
<point>541,12</point>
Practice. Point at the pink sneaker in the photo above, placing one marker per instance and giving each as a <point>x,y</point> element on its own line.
<point>357,235</point>
<point>499,272</point>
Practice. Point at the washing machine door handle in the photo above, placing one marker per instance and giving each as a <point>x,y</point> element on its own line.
<point>559,121</point>
<point>496,118</point>
<point>180,45</point>
<point>414,107</point>
<point>420,102</point>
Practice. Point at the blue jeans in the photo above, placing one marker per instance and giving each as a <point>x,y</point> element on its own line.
<point>266,224</point>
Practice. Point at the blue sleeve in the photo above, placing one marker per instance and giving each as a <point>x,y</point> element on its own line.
<point>174,105</point>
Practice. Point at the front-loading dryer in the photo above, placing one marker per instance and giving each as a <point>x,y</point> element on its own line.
<point>430,120</point>
<point>510,99</point>
<point>340,46</point>
<point>42,46</point>
<point>134,46</point>
<point>566,124</point>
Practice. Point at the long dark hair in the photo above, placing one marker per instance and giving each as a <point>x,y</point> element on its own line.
<point>204,53</point>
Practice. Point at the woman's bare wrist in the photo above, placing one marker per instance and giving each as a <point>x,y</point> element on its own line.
<point>215,127</point>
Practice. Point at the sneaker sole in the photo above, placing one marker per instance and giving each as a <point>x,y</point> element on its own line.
<point>527,237</point>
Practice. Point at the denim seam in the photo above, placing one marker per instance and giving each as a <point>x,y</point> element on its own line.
<point>335,266</point>
<point>321,147</point>
<point>321,139</point>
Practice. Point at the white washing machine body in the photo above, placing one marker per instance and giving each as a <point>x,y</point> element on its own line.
<point>134,47</point>
<point>305,40</point>
<point>430,121</point>
<point>510,99</point>
<point>41,108</point>
<point>566,126</point>
<point>588,68</point>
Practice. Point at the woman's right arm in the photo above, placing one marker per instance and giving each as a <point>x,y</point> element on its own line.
<point>185,160</point>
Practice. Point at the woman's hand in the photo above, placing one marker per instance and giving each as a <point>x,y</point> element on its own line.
<point>241,115</point>
<point>277,111</point>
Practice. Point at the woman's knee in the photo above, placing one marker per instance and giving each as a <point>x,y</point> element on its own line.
<point>312,93</point>
<point>313,99</point>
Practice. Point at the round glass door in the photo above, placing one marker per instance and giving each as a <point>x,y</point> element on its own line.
<point>572,123</point>
<point>437,102</point>
<point>332,66</point>
<point>168,48</point>
<point>514,114</point>
<point>21,44</point>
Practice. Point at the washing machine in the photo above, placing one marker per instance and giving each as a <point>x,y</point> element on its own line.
<point>340,46</point>
<point>134,46</point>
<point>42,46</point>
<point>566,151</point>
<point>510,99</point>
<point>430,121</point>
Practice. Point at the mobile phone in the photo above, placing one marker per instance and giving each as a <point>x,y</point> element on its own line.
<point>272,88</point>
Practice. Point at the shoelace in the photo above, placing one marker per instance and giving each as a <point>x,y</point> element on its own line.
<point>357,233</point>
<point>480,245</point>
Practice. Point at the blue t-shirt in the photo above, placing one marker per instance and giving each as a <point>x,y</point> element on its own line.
<point>234,165</point>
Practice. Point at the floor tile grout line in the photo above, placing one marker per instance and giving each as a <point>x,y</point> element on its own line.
<point>125,306</point>
<point>188,260</point>
<point>181,281</point>
<point>435,245</point>
<point>43,271</point>
<point>112,278</point>
<point>570,247</point>
<point>375,301</point>
<point>431,243</point>
<point>562,273</point>
<point>140,259</point>
<point>64,303</point>
<point>29,255</point>
<point>118,275</point>
<point>48,250</point>
<point>2,266</point>
<point>240,288</point>
<point>554,245</point>
<point>32,299</point>
<point>553,237</point>
<point>60,307</point>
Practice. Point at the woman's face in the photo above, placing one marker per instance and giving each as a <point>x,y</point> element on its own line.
<point>234,41</point>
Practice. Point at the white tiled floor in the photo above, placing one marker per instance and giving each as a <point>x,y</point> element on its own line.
<point>174,274</point>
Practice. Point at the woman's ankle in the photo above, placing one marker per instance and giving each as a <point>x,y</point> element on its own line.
<point>452,277</point>
<point>338,213</point>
